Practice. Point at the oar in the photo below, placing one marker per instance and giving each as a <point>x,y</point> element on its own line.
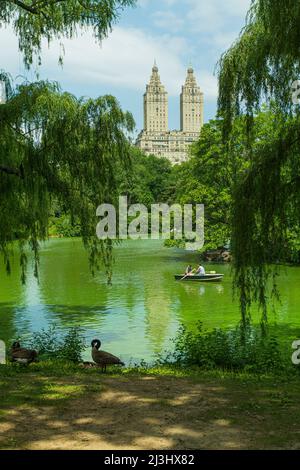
<point>188,274</point>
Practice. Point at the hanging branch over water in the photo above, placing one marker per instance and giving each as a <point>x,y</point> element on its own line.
<point>261,66</point>
<point>55,147</point>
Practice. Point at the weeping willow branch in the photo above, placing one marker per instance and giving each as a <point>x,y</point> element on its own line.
<point>25,7</point>
<point>57,19</point>
<point>261,67</point>
<point>72,158</point>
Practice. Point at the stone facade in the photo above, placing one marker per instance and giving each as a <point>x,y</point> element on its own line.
<point>156,139</point>
<point>155,105</point>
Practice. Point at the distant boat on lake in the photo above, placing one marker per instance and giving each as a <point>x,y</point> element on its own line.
<point>200,278</point>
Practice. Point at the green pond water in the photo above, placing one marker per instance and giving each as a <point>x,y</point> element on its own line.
<point>137,315</point>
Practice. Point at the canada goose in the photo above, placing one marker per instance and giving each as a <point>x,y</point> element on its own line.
<point>22,355</point>
<point>103,358</point>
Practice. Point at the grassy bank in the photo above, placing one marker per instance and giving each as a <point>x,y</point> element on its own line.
<point>58,405</point>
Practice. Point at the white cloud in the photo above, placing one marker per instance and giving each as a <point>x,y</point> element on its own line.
<point>214,15</point>
<point>208,83</point>
<point>168,20</point>
<point>213,18</point>
<point>124,59</point>
<point>174,32</point>
<point>145,3</point>
<point>205,19</point>
<point>236,7</point>
<point>170,2</point>
<point>224,40</point>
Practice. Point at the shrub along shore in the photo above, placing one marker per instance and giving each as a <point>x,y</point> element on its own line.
<point>238,350</point>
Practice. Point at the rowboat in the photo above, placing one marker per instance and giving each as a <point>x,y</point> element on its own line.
<point>200,278</point>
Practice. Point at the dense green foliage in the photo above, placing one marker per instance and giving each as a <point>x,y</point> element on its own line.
<point>63,226</point>
<point>37,20</point>
<point>216,169</point>
<point>147,180</point>
<point>51,345</point>
<point>207,178</point>
<point>262,66</point>
<point>150,180</point>
<point>57,149</point>
<point>237,350</point>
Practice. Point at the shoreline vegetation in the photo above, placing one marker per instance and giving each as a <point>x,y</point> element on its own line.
<point>234,350</point>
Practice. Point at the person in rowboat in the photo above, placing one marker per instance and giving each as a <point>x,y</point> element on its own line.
<point>200,271</point>
<point>188,270</point>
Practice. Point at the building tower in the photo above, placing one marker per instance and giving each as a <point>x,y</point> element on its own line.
<point>155,105</point>
<point>155,138</point>
<point>191,105</point>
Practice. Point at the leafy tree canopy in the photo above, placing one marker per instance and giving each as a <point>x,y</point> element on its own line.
<point>35,20</point>
<point>149,181</point>
<point>55,147</point>
<point>262,66</point>
<point>209,176</point>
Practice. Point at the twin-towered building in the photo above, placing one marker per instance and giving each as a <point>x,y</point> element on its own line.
<point>156,139</point>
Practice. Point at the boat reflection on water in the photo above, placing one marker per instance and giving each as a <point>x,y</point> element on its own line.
<point>208,288</point>
<point>218,288</point>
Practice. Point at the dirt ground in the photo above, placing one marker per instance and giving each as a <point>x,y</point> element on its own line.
<point>146,412</point>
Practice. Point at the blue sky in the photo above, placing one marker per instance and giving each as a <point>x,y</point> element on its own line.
<point>174,32</point>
